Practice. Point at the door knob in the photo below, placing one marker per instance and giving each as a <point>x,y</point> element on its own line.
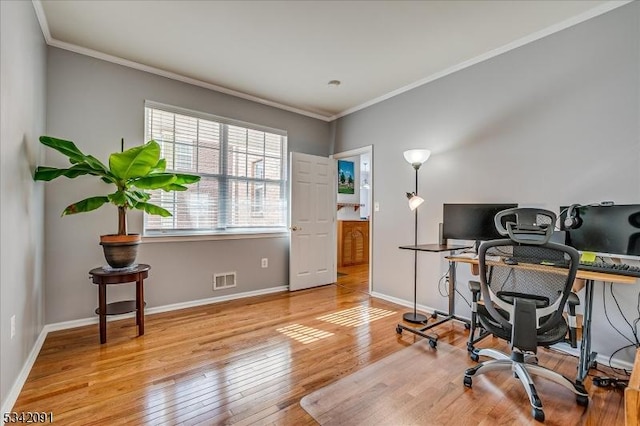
<point>295,228</point>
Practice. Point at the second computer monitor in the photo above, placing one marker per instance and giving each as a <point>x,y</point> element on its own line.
<point>601,229</point>
<point>471,221</point>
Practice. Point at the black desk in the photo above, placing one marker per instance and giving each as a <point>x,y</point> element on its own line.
<point>448,316</point>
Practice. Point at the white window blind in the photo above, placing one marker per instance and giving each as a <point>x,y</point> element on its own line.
<point>242,168</point>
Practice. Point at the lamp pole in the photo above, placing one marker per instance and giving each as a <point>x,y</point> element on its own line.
<point>415,317</point>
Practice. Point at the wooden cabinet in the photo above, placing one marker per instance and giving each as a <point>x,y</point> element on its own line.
<point>353,242</point>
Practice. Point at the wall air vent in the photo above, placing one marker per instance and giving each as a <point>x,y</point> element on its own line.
<point>224,280</point>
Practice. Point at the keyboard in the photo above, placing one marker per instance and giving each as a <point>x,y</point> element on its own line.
<point>611,268</point>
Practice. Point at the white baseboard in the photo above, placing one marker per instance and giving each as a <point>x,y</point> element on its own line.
<point>210,300</point>
<point>408,304</point>
<point>16,388</point>
<point>65,325</point>
<point>12,396</point>
<point>601,359</point>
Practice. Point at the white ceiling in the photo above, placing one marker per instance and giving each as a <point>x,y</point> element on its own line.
<point>283,53</point>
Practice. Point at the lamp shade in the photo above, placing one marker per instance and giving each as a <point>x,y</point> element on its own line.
<point>414,200</point>
<point>416,157</point>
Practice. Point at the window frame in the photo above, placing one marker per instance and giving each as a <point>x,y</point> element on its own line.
<point>229,232</point>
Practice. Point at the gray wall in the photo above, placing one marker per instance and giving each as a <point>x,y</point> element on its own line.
<point>95,103</point>
<point>22,120</point>
<point>551,123</point>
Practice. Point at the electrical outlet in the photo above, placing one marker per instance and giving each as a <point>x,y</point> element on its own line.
<point>13,326</point>
<point>264,262</point>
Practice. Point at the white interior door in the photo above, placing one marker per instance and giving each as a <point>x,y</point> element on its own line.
<point>312,242</point>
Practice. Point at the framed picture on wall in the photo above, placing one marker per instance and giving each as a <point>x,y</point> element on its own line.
<point>346,178</point>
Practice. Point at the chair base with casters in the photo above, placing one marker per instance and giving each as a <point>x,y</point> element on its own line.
<point>523,366</point>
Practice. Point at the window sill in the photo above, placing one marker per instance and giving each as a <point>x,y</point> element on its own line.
<point>151,239</point>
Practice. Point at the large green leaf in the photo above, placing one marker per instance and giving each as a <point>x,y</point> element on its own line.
<point>118,198</point>
<point>80,170</point>
<point>132,172</point>
<point>185,179</point>
<point>95,164</point>
<point>155,181</point>
<point>49,173</point>
<point>140,196</point>
<point>64,147</point>
<point>153,209</point>
<point>85,205</point>
<point>174,187</point>
<point>160,167</point>
<point>132,200</point>
<point>135,162</point>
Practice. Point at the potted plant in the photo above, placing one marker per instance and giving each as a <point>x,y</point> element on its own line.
<point>133,172</point>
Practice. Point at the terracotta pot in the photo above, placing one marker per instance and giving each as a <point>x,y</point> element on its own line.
<point>120,251</point>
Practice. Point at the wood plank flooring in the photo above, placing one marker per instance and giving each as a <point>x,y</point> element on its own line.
<point>248,361</point>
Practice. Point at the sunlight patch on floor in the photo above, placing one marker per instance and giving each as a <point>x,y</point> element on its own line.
<point>356,316</point>
<point>303,334</point>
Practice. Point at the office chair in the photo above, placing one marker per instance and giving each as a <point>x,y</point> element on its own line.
<point>524,297</point>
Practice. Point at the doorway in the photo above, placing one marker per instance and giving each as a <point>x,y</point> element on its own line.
<point>355,219</point>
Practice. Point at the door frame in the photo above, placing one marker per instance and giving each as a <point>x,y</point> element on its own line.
<point>352,153</point>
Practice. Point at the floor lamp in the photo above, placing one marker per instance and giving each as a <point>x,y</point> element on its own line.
<point>415,157</point>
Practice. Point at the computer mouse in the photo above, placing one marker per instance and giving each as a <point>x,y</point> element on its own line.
<point>510,261</point>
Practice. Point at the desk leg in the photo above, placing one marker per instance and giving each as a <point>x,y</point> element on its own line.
<point>140,306</point>
<point>452,288</point>
<point>102,311</point>
<point>451,315</point>
<point>586,356</point>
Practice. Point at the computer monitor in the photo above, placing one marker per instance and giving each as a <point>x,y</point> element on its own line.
<point>605,229</point>
<point>471,221</point>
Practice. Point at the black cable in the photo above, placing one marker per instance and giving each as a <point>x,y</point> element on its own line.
<point>446,291</point>
<point>555,225</point>
<point>633,330</point>
<point>464,298</point>
<point>617,369</point>
<point>506,279</point>
<point>606,314</point>
<point>635,322</point>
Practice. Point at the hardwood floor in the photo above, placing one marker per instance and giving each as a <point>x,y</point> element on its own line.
<point>246,361</point>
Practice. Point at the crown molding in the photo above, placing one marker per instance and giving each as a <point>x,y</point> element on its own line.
<point>163,73</point>
<point>597,11</point>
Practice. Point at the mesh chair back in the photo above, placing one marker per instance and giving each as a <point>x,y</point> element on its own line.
<point>543,273</point>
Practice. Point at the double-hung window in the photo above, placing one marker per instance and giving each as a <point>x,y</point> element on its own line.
<point>242,167</point>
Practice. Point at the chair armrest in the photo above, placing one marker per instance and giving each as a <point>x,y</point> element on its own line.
<point>573,299</point>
